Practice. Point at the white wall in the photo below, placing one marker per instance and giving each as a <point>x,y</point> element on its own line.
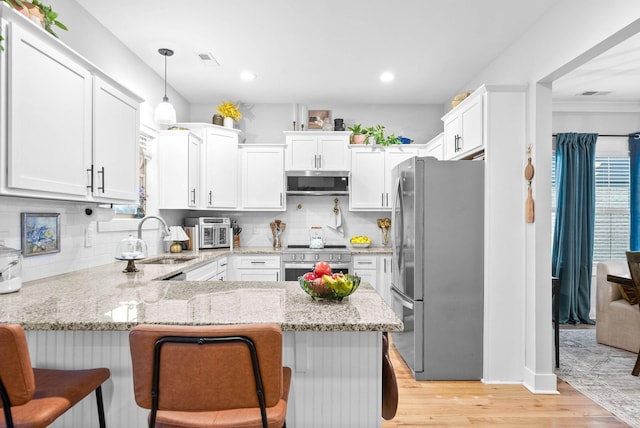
<point>264,123</point>
<point>89,38</point>
<point>568,35</point>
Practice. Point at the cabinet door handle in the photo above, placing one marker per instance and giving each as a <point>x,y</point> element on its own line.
<point>258,263</point>
<point>382,199</point>
<point>365,263</point>
<point>210,197</point>
<point>101,172</point>
<point>193,195</point>
<point>387,199</point>
<point>90,171</point>
<point>281,199</point>
<point>319,161</point>
<point>315,161</point>
<point>277,276</point>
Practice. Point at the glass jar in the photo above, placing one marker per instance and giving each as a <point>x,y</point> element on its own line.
<point>10,269</point>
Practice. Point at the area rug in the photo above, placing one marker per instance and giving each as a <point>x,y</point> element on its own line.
<point>600,372</point>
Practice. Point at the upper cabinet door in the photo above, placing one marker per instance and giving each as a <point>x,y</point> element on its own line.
<point>115,143</point>
<point>262,177</point>
<point>333,152</point>
<point>49,118</point>
<point>221,170</point>
<point>472,136</point>
<point>302,154</point>
<point>367,188</point>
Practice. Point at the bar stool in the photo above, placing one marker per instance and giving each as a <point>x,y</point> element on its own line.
<point>210,376</point>
<point>34,397</point>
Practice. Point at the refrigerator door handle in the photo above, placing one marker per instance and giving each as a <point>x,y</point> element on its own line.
<point>397,219</point>
<point>402,298</point>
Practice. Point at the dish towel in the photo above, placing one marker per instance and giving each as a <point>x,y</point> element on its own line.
<point>335,220</point>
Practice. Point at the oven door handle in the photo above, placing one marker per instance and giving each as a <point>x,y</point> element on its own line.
<point>401,298</point>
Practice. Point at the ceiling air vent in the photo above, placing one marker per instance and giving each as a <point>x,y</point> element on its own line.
<point>208,59</point>
<point>589,93</point>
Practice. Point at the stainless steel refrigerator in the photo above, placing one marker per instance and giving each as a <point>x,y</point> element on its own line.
<point>437,285</point>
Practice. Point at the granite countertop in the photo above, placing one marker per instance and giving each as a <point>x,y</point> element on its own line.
<point>105,298</point>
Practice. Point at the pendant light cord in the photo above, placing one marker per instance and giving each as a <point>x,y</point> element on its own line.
<point>165,76</point>
<point>165,53</point>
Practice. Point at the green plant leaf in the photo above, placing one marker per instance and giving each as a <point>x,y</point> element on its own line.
<point>61,25</point>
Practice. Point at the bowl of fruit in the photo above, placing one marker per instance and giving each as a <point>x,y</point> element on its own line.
<point>324,284</point>
<point>360,241</point>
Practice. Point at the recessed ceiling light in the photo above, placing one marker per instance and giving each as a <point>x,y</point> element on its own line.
<point>387,76</point>
<point>247,75</point>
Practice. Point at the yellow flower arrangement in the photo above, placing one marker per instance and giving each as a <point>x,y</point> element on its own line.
<point>229,109</point>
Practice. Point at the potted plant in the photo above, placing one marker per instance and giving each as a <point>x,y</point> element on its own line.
<point>230,112</point>
<point>38,12</point>
<point>391,139</point>
<point>375,134</point>
<point>359,134</point>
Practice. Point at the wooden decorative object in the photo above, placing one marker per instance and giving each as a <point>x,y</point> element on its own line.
<point>529,204</point>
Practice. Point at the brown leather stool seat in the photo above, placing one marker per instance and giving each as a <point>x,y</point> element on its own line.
<point>36,397</point>
<point>206,376</point>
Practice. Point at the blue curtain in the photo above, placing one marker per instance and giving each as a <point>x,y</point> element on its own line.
<point>634,188</point>
<point>573,236</point>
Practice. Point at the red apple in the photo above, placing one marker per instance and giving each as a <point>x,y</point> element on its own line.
<point>322,268</point>
<point>309,276</point>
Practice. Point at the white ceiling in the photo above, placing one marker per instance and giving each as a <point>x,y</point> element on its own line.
<point>613,75</point>
<point>333,51</point>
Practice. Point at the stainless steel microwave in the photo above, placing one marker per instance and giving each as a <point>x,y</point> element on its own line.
<point>317,182</point>
<point>213,232</point>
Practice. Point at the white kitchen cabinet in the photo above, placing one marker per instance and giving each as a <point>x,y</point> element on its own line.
<point>371,187</point>
<point>221,274</point>
<point>49,141</point>
<point>323,151</point>
<point>215,270</point>
<point>220,168</point>
<point>262,177</point>
<point>365,266</point>
<point>178,169</point>
<point>463,128</point>
<point>64,136</point>
<point>202,273</point>
<point>255,267</point>
<point>434,148</point>
<point>384,278</point>
<point>115,159</point>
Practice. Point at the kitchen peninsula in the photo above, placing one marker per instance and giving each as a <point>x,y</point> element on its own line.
<point>82,319</point>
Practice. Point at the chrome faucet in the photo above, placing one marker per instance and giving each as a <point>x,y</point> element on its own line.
<point>164,225</point>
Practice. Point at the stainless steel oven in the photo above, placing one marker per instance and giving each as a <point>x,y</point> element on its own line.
<point>300,259</point>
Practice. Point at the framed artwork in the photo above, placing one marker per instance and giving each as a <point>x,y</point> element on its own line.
<point>40,233</point>
<point>317,118</point>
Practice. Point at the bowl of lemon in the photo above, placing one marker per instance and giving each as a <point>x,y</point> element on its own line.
<point>360,241</point>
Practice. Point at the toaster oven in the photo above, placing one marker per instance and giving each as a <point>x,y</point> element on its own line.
<point>214,232</point>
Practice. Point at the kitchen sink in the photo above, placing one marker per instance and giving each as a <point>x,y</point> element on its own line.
<point>167,260</point>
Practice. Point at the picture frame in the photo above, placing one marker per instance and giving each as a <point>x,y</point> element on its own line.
<point>317,118</point>
<point>40,233</point>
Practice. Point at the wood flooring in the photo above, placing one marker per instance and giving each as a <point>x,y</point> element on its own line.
<point>462,404</point>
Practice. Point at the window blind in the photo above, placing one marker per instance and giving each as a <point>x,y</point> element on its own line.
<point>611,231</point>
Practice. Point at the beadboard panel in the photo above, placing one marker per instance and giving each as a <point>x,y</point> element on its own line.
<point>345,366</point>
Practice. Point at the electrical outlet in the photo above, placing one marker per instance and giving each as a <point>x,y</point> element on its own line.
<point>89,236</point>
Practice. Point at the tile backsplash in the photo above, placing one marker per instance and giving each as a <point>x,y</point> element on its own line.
<point>75,228</point>
<point>86,243</point>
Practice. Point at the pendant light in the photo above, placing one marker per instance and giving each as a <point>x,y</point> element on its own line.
<point>165,113</point>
